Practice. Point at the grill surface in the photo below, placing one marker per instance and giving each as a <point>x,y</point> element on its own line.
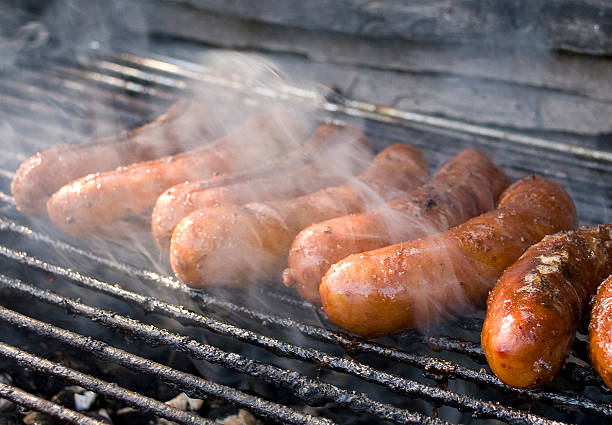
<point>104,300</point>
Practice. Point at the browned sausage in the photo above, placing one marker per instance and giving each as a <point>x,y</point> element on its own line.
<point>467,185</point>
<point>534,310</point>
<point>417,283</point>
<point>179,129</point>
<point>98,199</point>
<point>600,331</point>
<point>239,245</point>
<point>333,154</point>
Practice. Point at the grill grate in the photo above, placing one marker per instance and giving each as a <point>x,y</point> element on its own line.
<point>25,399</point>
<point>131,83</point>
<point>352,345</point>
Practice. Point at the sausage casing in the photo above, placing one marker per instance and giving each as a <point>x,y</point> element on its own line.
<point>466,186</point>
<point>239,245</point>
<point>44,173</point>
<point>417,283</point>
<point>600,331</point>
<point>83,205</point>
<point>333,154</point>
<point>535,308</point>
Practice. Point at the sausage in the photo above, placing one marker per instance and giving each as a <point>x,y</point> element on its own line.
<point>467,185</point>
<point>333,153</point>
<point>600,331</point>
<point>44,173</point>
<point>233,245</point>
<point>421,282</point>
<point>81,206</point>
<point>535,308</point>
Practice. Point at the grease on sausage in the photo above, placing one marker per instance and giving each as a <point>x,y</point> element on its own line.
<point>600,331</point>
<point>240,245</point>
<point>467,185</point>
<point>535,308</point>
<point>417,283</point>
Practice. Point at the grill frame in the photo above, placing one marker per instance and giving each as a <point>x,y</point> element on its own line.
<point>147,85</point>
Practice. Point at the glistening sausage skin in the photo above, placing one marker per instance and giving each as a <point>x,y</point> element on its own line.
<point>600,331</point>
<point>240,245</point>
<point>535,308</point>
<point>467,185</point>
<point>417,283</point>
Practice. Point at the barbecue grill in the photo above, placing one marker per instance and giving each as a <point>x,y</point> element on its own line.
<point>108,317</point>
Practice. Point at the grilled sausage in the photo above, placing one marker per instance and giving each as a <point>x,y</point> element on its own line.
<point>412,284</point>
<point>332,154</point>
<point>98,199</point>
<point>240,245</point>
<point>600,331</point>
<point>178,129</point>
<point>467,185</point>
<point>535,308</point>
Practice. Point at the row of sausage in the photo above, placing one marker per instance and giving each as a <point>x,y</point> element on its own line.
<point>378,242</point>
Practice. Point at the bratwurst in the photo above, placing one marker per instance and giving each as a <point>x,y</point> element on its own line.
<point>83,205</point>
<point>600,331</point>
<point>466,186</point>
<point>417,283</point>
<point>239,245</point>
<point>535,308</point>
<point>179,128</point>
<point>333,154</point>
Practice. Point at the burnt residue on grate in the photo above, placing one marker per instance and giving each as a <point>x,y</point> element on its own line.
<point>312,391</point>
<point>432,366</point>
<point>188,383</point>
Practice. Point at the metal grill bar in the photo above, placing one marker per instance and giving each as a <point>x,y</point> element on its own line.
<point>309,390</point>
<point>439,343</point>
<point>145,404</point>
<point>352,345</point>
<point>7,198</point>
<point>48,82</point>
<point>376,112</point>
<point>31,401</point>
<point>185,381</point>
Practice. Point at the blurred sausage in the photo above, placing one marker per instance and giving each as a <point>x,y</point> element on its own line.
<point>417,283</point>
<point>535,308</point>
<point>240,245</point>
<point>467,185</point>
<point>333,154</point>
<point>98,199</point>
<point>178,129</point>
<point>600,331</point>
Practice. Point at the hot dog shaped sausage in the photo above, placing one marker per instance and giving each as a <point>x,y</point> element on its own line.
<point>178,129</point>
<point>241,245</point>
<point>466,186</point>
<point>600,331</point>
<point>333,154</point>
<point>417,283</point>
<point>535,308</point>
<point>95,200</point>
